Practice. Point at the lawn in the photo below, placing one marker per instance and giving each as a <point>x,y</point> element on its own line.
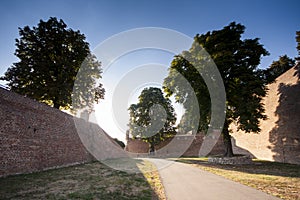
<point>278,179</point>
<point>86,181</point>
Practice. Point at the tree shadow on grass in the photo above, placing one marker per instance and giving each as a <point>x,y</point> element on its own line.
<point>86,181</point>
<point>258,167</point>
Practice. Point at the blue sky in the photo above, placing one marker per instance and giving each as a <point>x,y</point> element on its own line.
<point>274,22</point>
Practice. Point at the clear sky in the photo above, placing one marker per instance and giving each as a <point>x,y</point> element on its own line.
<point>274,22</point>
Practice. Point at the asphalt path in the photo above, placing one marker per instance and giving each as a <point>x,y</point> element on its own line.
<point>184,182</point>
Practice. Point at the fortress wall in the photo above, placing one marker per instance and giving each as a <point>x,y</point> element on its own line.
<point>279,139</point>
<point>35,137</point>
<point>191,144</point>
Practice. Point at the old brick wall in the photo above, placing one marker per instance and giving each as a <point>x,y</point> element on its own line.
<point>34,136</point>
<point>279,139</point>
<point>136,146</point>
<point>193,147</point>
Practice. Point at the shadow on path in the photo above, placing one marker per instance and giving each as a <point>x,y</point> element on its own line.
<point>182,181</point>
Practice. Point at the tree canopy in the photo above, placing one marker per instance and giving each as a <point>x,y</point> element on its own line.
<point>237,60</point>
<point>152,119</point>
<point>119,142</point>
<point>278,67</point>
<point>298,44</point>
<point>50,57</point>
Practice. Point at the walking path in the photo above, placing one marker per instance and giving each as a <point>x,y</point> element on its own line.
<point>182,181</point>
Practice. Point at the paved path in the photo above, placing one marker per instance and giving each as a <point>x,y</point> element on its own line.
<point>182,181</point>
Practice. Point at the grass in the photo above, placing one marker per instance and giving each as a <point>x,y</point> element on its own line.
<point>278,179</point>
<point>151,174</point>
<point>97,181</point>
<point>87,181</point>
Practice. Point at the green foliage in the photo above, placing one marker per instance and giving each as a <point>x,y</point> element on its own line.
<point>152,118</point>
<point>180,70</point>
<point>298,44</point>
<point>278,67</point>
<point>50,57</point>
<point>119,142</point>
<point>237,61</point>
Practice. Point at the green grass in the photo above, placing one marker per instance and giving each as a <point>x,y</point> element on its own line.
<point>278,179</point>
<point>87,181</point>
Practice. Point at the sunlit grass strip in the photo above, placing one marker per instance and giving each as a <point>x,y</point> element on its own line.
<point>151,173</point>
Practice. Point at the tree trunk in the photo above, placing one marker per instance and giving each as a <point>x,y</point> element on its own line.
<point>151,148</point>
<point>227,141</point>
<point>56,104</point>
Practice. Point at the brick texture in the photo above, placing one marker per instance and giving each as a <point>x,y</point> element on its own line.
<point>35,137</point>
<point>279,139</point>
<point>185,145</point>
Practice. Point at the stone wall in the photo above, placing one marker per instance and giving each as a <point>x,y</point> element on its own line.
<point>35,137</point>
<point>279,139</point>
<point>192,142</point>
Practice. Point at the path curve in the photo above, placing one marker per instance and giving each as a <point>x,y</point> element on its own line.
<point>184,182</point>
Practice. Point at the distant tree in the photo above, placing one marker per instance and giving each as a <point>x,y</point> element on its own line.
<point>50,57</point>
<point>279,67</point>
<point>152,119</point>
<point>237,61</point>
<point>119,142</point>
<point>298,45</point>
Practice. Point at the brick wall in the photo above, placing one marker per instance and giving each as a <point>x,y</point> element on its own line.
<point>189,143</point>
<point>279,139</point>
<point>34,137</point>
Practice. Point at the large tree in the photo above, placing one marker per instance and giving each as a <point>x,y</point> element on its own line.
<point>278,67</point>
<point>152,119</point>
<point>237,60</point>
<point>50,57</point>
